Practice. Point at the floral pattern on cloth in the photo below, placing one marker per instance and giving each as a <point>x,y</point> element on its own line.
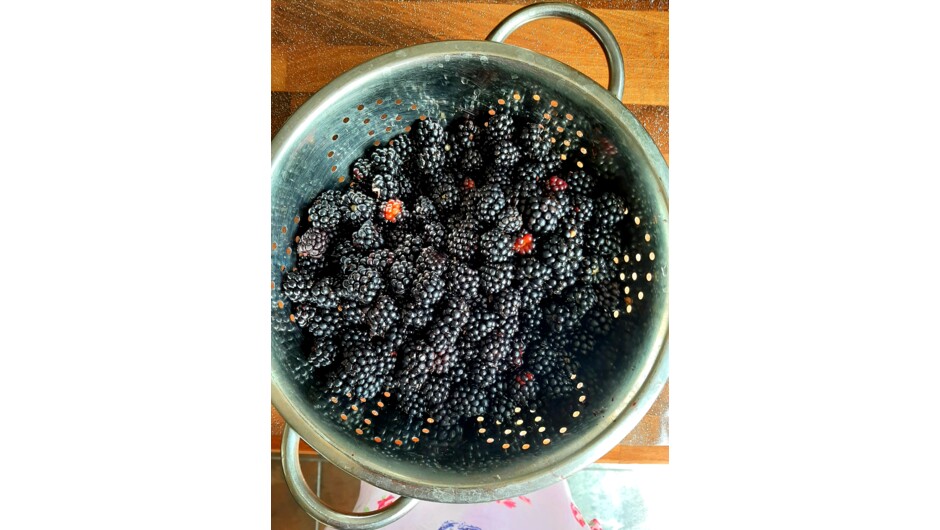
<point>550,508</point>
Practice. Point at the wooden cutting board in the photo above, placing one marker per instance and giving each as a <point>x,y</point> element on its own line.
<point>314,41</point>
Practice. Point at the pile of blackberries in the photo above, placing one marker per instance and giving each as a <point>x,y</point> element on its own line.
<point>466,270</point>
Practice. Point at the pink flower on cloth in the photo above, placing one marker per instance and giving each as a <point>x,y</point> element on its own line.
<point>596,525</point>
<point>577,515</point>
<point>509,503</point>
<point>385,501</point>
<point>525,499</point>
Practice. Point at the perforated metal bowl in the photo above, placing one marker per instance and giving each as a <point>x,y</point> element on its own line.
<point>377,100</point>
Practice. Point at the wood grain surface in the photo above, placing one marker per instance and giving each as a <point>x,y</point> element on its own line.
<point>314,41</point>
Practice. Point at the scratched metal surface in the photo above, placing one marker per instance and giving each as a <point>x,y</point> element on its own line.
<point>315,41</point>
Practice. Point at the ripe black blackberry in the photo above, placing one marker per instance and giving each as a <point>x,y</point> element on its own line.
<point>435,233</point>
<point>428,288</point>
<point>367,237</point>
<point>480,324</point>
<point>542,214</point>
<point>583,208</point>
<point>494,348</point>
<point>608,210</point>
<point>523,387</point>
<point>498,128</point>
<point>489,203</point>
<point>463,281</point>
<point>428,133</point>
<point>563,257</point>
<point>466,134</point>
<point>402,145</point>
<point>535,142</point>
<point>470,162</point>
<point>383,315</point>
<point>318,322</point>
<point>399,276</point>
<point>357,207</point>
<point>429,259</point>
<point>595,269</point>
<point>385,160</point>
<point>496,246</point>
<point>467,401</point>
<point>462,241</point>
<point>313,244</point>
<point>446,197</point>
<point>602,242</point>
<point>325,212</point>
<point>581,181</point>
<point>323,352</point>
<point>361,172</point>
<point>508,303</point>
<point>509,220</point>
<point>362,285</point>
<point>494,277</point>
<point>424,210</point>
<point>505,154</point>
<point>386,186</point>
<point>299,285</point>
<point>430,159</point>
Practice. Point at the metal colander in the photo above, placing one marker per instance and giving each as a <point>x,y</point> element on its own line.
<point>614,386</point>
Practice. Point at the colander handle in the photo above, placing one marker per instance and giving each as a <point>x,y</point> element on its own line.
<point>583,18</point>
<point>308,500</point>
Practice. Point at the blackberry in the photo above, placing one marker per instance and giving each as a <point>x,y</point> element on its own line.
<point>499,176</point>
<point>299,285</point>
<point>362,285</point>
<point>357,207</point>
<point>479,325</point>
<point>313,244</point>
<point>399,276</point>
<point>543,215</point>
<point>402,145</point>
<point>428,288</point>
<point>602,242</point>
<point>608,209</point>
<point>367,237</point>
<point>323,353</point>
<point>428,133</point>
<point>462,241</point>
<point>468,400</point>
<point>430,159</point>
<point>494,348</point>
<point>430,260</point>
<point>466,135</point>
<point>441,349</point>
<point>580,181</point>
<point>434,234</point>
<point>386,186</point>
<point>498,128</point>
<point>463,281</point>
<point>471,161</point>
<point>563,257</point>
<point>361,171</point>
<point>316,321</point>
<point>505,154</point>
<point>583,208</point>
<point>494,277</point>
<point>523,387</point>
<point>496,246</point>
<point>455,314</point>
<point>595,269</point>
<point>392,211</point>
<point>560,317</point>
<point>508,303</point>
<point>555,183</point>
<point>424,210</point>
<point>509,220</point>
<point>446,197</point>
<point>325,212</point>
<point>535,142</point>
<point>490,201</point>
<point>417,316</point>
<point>524,244</point>
<point>383,315</point>
<point>386,160</point>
